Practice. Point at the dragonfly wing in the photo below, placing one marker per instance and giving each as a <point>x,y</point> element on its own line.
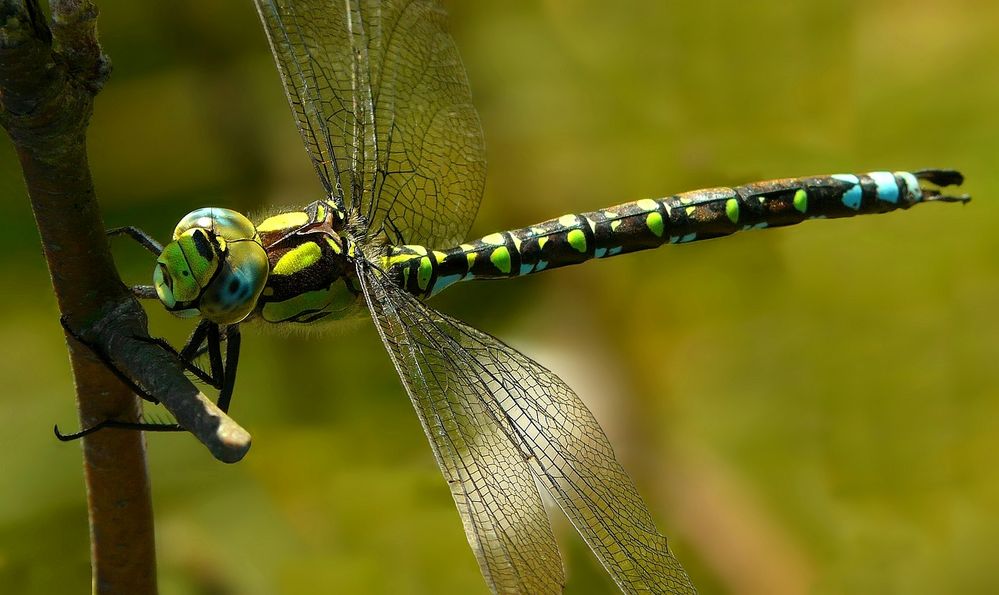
<point>490,479</point>
<point>383,105</point>
<point>470,390</point>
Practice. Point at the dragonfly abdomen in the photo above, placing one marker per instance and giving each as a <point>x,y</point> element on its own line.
<point>650,223</point>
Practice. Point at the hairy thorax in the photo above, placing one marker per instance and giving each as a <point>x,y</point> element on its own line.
<point>312,276</point>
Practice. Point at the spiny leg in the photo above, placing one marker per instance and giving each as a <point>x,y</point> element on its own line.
<point>135,388</point>
<point>143,292</point>
<point>229,373</point>
<point>122,425</point>
<point>207,338</point>
<point>144,239</point>
<point>107,363</point>
<point>218,377</point>
<point>194,347</point>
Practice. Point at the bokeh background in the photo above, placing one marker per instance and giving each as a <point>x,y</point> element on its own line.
<point>807,410</point>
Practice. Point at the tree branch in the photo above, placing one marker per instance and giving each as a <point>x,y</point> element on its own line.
<point>48,79</point>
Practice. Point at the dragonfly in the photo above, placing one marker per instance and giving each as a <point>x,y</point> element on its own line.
<point>382,102</point>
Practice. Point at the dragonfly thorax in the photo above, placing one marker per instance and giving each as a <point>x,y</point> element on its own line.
<point>215,267</point>
<point>313,266</point>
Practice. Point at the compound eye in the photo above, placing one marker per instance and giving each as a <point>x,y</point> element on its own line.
<point>164,276</point>
<point>223,223</point>
<point>163,283</point>
<point>233,293</point>
<point>215,267</point>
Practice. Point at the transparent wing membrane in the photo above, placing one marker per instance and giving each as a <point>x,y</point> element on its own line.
<point>490,479</point>
<point>491,414</point>
<point>382,101</point>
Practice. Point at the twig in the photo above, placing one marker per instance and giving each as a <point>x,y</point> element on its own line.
<point>121,334</point>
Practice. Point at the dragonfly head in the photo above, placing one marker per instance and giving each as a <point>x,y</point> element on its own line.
<point>214,268</point>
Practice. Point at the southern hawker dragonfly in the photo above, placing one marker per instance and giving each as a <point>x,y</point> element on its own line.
<point>383,105</point>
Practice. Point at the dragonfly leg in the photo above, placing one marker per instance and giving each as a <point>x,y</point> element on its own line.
<point>229,373</point>
<point>206,331</point>
<point>121,425</point>
<point>207,338</point>
<point>189,365</point>
<point>111,423</point>
<point>143,292</point>
<point>97,351</point>
<point>144,239</point>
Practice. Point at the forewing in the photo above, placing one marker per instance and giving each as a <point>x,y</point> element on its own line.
<point>383,105</point>
<point>476,394</point>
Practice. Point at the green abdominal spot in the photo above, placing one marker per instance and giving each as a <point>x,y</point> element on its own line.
<point>425,271</point>
<point>654,221</point>
<point>577,239</point>
<point>732,210</point>
<point>801,200</point>
<point>500,258</point>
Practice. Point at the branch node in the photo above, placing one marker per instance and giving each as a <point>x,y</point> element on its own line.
<point>74,35</point>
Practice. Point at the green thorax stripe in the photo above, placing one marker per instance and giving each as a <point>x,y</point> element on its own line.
<point>312,275</point>
<point>649,223</point>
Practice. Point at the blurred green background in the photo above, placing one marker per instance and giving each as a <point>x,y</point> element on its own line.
<point>814,409</point>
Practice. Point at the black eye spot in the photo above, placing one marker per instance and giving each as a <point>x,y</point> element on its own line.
<point>186,273</point>
<point>204,246</point>
<point>234,286</point>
